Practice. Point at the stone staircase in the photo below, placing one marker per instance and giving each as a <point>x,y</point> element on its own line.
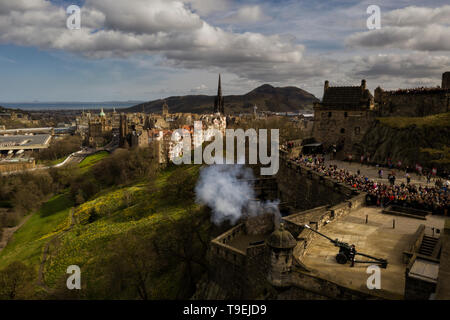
<point>428,245</point>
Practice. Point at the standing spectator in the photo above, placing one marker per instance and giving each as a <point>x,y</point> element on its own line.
<point>428,177</point>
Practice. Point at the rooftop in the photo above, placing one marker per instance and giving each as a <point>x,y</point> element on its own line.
<point>346,97</point>
<point>19,142</point>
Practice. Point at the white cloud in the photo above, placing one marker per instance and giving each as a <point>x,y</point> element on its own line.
<point>164,27</point>
<point>412,28</point>
<point>246,15</point>
<point>418,16</point>
<point>205,7</point>
<point>412,69</point>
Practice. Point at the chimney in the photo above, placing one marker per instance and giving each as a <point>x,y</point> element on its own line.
<point>446,80</point>
<point>325,87</point>
<point>363,84</point>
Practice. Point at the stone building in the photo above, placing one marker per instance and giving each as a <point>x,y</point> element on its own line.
<point>139,138</point>
<point>98,127</point>
<point>343,116</point>
<point>417,102</point>
<point>165,109</point>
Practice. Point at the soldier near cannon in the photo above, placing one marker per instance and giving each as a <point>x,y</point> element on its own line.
<point>352,254</point>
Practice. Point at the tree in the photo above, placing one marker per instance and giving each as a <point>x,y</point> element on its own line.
<point>16,281</point>
<point>132,265</point>
<point>184,242</point>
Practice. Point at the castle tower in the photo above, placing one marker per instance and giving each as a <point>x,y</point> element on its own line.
<point>446,80</point>
<point>165,109</point>
<point>123,130</point>
<point>281,244</point>
<point>218,102</point>
<point>363,85</point>
<point>326,86</point>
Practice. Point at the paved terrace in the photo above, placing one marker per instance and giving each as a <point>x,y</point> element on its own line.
<point>377,238</point>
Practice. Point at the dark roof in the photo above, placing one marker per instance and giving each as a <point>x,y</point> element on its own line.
<point>346,97</point>
<point>281,239</point>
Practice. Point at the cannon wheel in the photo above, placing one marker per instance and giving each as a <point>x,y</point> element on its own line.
<point>341,258</point>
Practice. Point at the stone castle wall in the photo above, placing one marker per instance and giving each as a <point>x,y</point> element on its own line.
<point>412,104</point>
<point>302,188</point>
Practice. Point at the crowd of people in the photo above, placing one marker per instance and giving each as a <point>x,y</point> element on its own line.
<point>435,198</point>
<point>416,90</point>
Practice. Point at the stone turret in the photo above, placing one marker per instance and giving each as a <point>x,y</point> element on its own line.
<point>281,244</point>
<point>446,80</point>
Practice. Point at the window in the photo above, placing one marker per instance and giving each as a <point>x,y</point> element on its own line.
<point>357,130</point>
<point>329,114</point>
<point>342,130</point>
<point>345,114</point>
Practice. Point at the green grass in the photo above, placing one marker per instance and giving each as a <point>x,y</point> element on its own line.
<point>86,245</point>
<point>51,162</point>
<point>27,242</point>
<point>118,210</point>
<point>437,120</point>
<point>89,161</point>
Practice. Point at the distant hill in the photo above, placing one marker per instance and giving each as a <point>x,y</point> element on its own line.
<point>266,97</point>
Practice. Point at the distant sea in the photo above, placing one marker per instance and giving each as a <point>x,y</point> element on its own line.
<point>34,106</point>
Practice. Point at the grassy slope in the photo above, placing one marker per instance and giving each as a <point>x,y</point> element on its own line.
<point>120,209</point>
<point>89,161</point>
<point>26,244</point>
<point>439,123</point>
<point>437,120</point>
<point>87,244</point>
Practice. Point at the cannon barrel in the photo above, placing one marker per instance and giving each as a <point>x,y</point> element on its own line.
<point>319,233</point>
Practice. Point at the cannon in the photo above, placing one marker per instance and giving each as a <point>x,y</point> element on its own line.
<point>344,253</point>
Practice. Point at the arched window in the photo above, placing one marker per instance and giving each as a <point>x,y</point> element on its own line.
<point>342,130</point>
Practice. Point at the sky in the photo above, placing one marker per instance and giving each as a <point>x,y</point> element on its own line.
<point>151,49</point>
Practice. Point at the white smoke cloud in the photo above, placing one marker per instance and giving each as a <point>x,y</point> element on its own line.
<point>226,189</point>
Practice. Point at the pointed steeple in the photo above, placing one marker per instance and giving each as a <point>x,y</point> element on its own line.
<point>218,103</point>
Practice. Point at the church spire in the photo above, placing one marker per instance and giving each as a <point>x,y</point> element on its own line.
<point>218,103</point>
<point>219,89</point>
